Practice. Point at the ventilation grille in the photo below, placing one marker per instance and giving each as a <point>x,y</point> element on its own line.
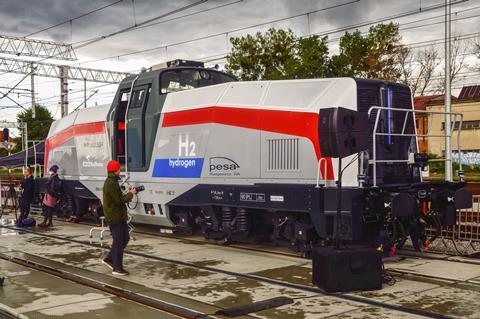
<point>283,154</point>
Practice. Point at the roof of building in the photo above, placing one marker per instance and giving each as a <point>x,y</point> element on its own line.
<point>470,93</point>
<point>420,102</point>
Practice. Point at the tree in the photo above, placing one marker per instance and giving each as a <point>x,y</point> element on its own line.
<point>374,55</point>
<point>37,128</point>
<point>276,55</point>
<point>351,61</point>
<point>418,68</point>
<point>477,52</point>
<point>312,56</point>
<point>458,63</point>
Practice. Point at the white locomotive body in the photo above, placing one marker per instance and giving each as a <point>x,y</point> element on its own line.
<point>234,159</point>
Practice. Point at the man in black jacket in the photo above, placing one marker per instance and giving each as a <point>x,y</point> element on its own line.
<point>115,212</point>
<point>28,191</point>
<point>53,189</point>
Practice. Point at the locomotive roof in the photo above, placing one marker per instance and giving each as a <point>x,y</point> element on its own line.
<point>151,74</point>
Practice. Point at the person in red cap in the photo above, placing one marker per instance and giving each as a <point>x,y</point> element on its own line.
<point>115,212</point>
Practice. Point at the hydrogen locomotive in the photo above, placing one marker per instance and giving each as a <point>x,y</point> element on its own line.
<point>243,161</point>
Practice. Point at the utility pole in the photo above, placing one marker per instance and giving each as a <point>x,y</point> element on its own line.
<point>32,87</point>
<point>64,90</point>
<point>448,102</point>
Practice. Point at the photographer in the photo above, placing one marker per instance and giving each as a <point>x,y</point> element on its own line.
<point>115,212</point>
<point>28,192</point>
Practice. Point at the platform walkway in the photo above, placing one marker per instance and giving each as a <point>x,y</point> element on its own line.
<point>444,287</point>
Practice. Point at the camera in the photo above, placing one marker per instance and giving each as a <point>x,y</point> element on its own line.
<point>140,188</point>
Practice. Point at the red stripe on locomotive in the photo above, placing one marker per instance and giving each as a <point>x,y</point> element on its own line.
<point>69,133</point>
<point>302,124</point>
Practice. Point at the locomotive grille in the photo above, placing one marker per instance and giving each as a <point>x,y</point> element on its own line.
<point>283,154</point>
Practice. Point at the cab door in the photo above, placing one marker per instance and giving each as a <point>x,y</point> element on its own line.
<point>135,128</point>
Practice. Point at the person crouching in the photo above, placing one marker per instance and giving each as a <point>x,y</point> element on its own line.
<point>115,212</point>
<point>53,189</point>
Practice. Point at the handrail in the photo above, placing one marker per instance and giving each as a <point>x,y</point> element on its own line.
<point>374,161</point>
<point>126,123</point>
<point>324,160</point>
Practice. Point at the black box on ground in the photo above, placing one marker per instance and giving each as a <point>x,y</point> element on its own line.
<point>357,268</point>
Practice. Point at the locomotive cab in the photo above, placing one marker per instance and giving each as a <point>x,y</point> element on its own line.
<point>135,114</point>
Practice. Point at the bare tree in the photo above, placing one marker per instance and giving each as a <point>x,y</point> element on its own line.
<point>477,53</point>
<point>459,54</point>
<point>418,69</point>
<point>458,62</point>
<point>428,60</point>
<point>406,67</point>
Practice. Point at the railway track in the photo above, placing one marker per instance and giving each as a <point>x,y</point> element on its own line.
<point>276,250</point>
<point>304,288</point>
<point>164,307</point>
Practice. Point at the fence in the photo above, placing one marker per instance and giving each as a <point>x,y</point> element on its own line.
<point>464,237</point>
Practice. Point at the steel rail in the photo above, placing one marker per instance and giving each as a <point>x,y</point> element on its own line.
<point>304,288</point>
<point>167,307</point>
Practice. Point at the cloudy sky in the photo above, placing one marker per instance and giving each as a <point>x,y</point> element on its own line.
<point>213,17</point>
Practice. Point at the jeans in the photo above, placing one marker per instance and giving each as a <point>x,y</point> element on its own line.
<point>48,212</point>
<point>120,237</point>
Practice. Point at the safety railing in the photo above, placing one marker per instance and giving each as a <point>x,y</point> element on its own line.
<point>463,238</point>
<point>457,118</point>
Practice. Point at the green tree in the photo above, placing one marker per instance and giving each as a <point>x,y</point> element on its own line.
<point>276,55</point>
<point>37,128</point>
<point>374,55</point>
<point>279,54</point>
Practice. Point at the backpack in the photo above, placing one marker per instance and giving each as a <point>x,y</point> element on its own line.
<point>27,222</point>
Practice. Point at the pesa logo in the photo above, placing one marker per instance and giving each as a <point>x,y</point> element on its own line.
<point>223,166</point>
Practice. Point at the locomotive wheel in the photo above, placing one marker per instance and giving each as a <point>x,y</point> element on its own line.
<point>395,232</point>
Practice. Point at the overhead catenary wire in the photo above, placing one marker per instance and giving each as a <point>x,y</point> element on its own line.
<point>413,45</point>
<point>225,32</point>
<point>175,18</point>
<point>103,37</point>
<point>73,19</point>
<point>85,100</point>
<point>96,39</point>
<point>331,31</point>
<point>130,28</point>
<point>100,38</point>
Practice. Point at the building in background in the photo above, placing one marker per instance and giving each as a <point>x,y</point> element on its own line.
<point>421,120</point>
<point>468,103</point>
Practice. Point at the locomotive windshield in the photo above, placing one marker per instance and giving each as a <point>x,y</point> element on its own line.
<point>185,79</point>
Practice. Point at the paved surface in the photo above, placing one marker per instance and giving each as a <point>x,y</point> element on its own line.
<point>36,294</point>
<point>453,289</point>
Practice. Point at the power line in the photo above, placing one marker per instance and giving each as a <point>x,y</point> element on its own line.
<point>387,18</point>
<point>130,28</point>
<point>410,45</point>
<point>100,38</point>
<point>225,32</point>
<point>189,15</point>
<point>420,26</point>
<point>365,23</point>
<point>73,19</point>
